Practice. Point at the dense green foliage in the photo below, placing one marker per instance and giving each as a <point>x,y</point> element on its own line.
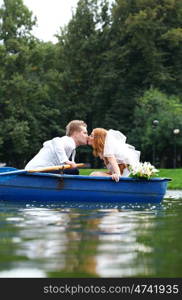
<point>116,67</point>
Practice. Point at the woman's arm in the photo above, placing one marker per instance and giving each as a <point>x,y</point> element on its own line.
<point>115,168</point>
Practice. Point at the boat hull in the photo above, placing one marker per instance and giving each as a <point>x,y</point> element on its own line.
<point>54,187</point>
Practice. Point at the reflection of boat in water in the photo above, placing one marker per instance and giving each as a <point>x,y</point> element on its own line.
<point>16,185</point>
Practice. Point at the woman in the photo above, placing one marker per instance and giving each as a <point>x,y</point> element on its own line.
<point>110,146</point>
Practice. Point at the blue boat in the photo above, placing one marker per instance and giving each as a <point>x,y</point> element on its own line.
<point>16,185</point>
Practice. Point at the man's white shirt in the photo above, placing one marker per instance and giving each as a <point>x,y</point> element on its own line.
<point>54,152</point>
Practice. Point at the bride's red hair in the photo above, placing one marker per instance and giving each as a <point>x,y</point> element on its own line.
<point>99,135</point>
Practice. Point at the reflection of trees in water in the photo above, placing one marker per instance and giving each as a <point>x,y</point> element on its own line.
<point>71,242</point>
<point>165,238</point>
<point>100,245</point>
<point>116,256</point>
<point>61,242</point>
<point>93,243</point>
<point>82,243</point>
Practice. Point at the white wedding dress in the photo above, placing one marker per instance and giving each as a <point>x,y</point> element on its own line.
<point>115,145</point>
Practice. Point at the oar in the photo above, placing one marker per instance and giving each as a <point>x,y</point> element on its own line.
<point>46,169</point>
<point>54,168</point>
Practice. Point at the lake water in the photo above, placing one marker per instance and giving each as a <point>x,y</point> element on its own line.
<point>91,240</point>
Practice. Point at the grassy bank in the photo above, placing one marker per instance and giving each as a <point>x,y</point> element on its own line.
<point>174,174</point>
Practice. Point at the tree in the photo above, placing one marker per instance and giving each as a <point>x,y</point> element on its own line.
<point>80,49</point>
<point>103,68</point>
<point>148,38</point>
<point>16,25</point>
<point>143,51</point>
<point>155,105</point>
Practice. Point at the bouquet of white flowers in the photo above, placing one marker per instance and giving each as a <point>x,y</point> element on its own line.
<point>143,170</point>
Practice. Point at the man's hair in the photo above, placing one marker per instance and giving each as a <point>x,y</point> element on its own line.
<point>73,126</point>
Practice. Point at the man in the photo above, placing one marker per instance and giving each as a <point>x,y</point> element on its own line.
<point>61,150</point>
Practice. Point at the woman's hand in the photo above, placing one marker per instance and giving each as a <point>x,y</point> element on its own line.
<point>115,177</point>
